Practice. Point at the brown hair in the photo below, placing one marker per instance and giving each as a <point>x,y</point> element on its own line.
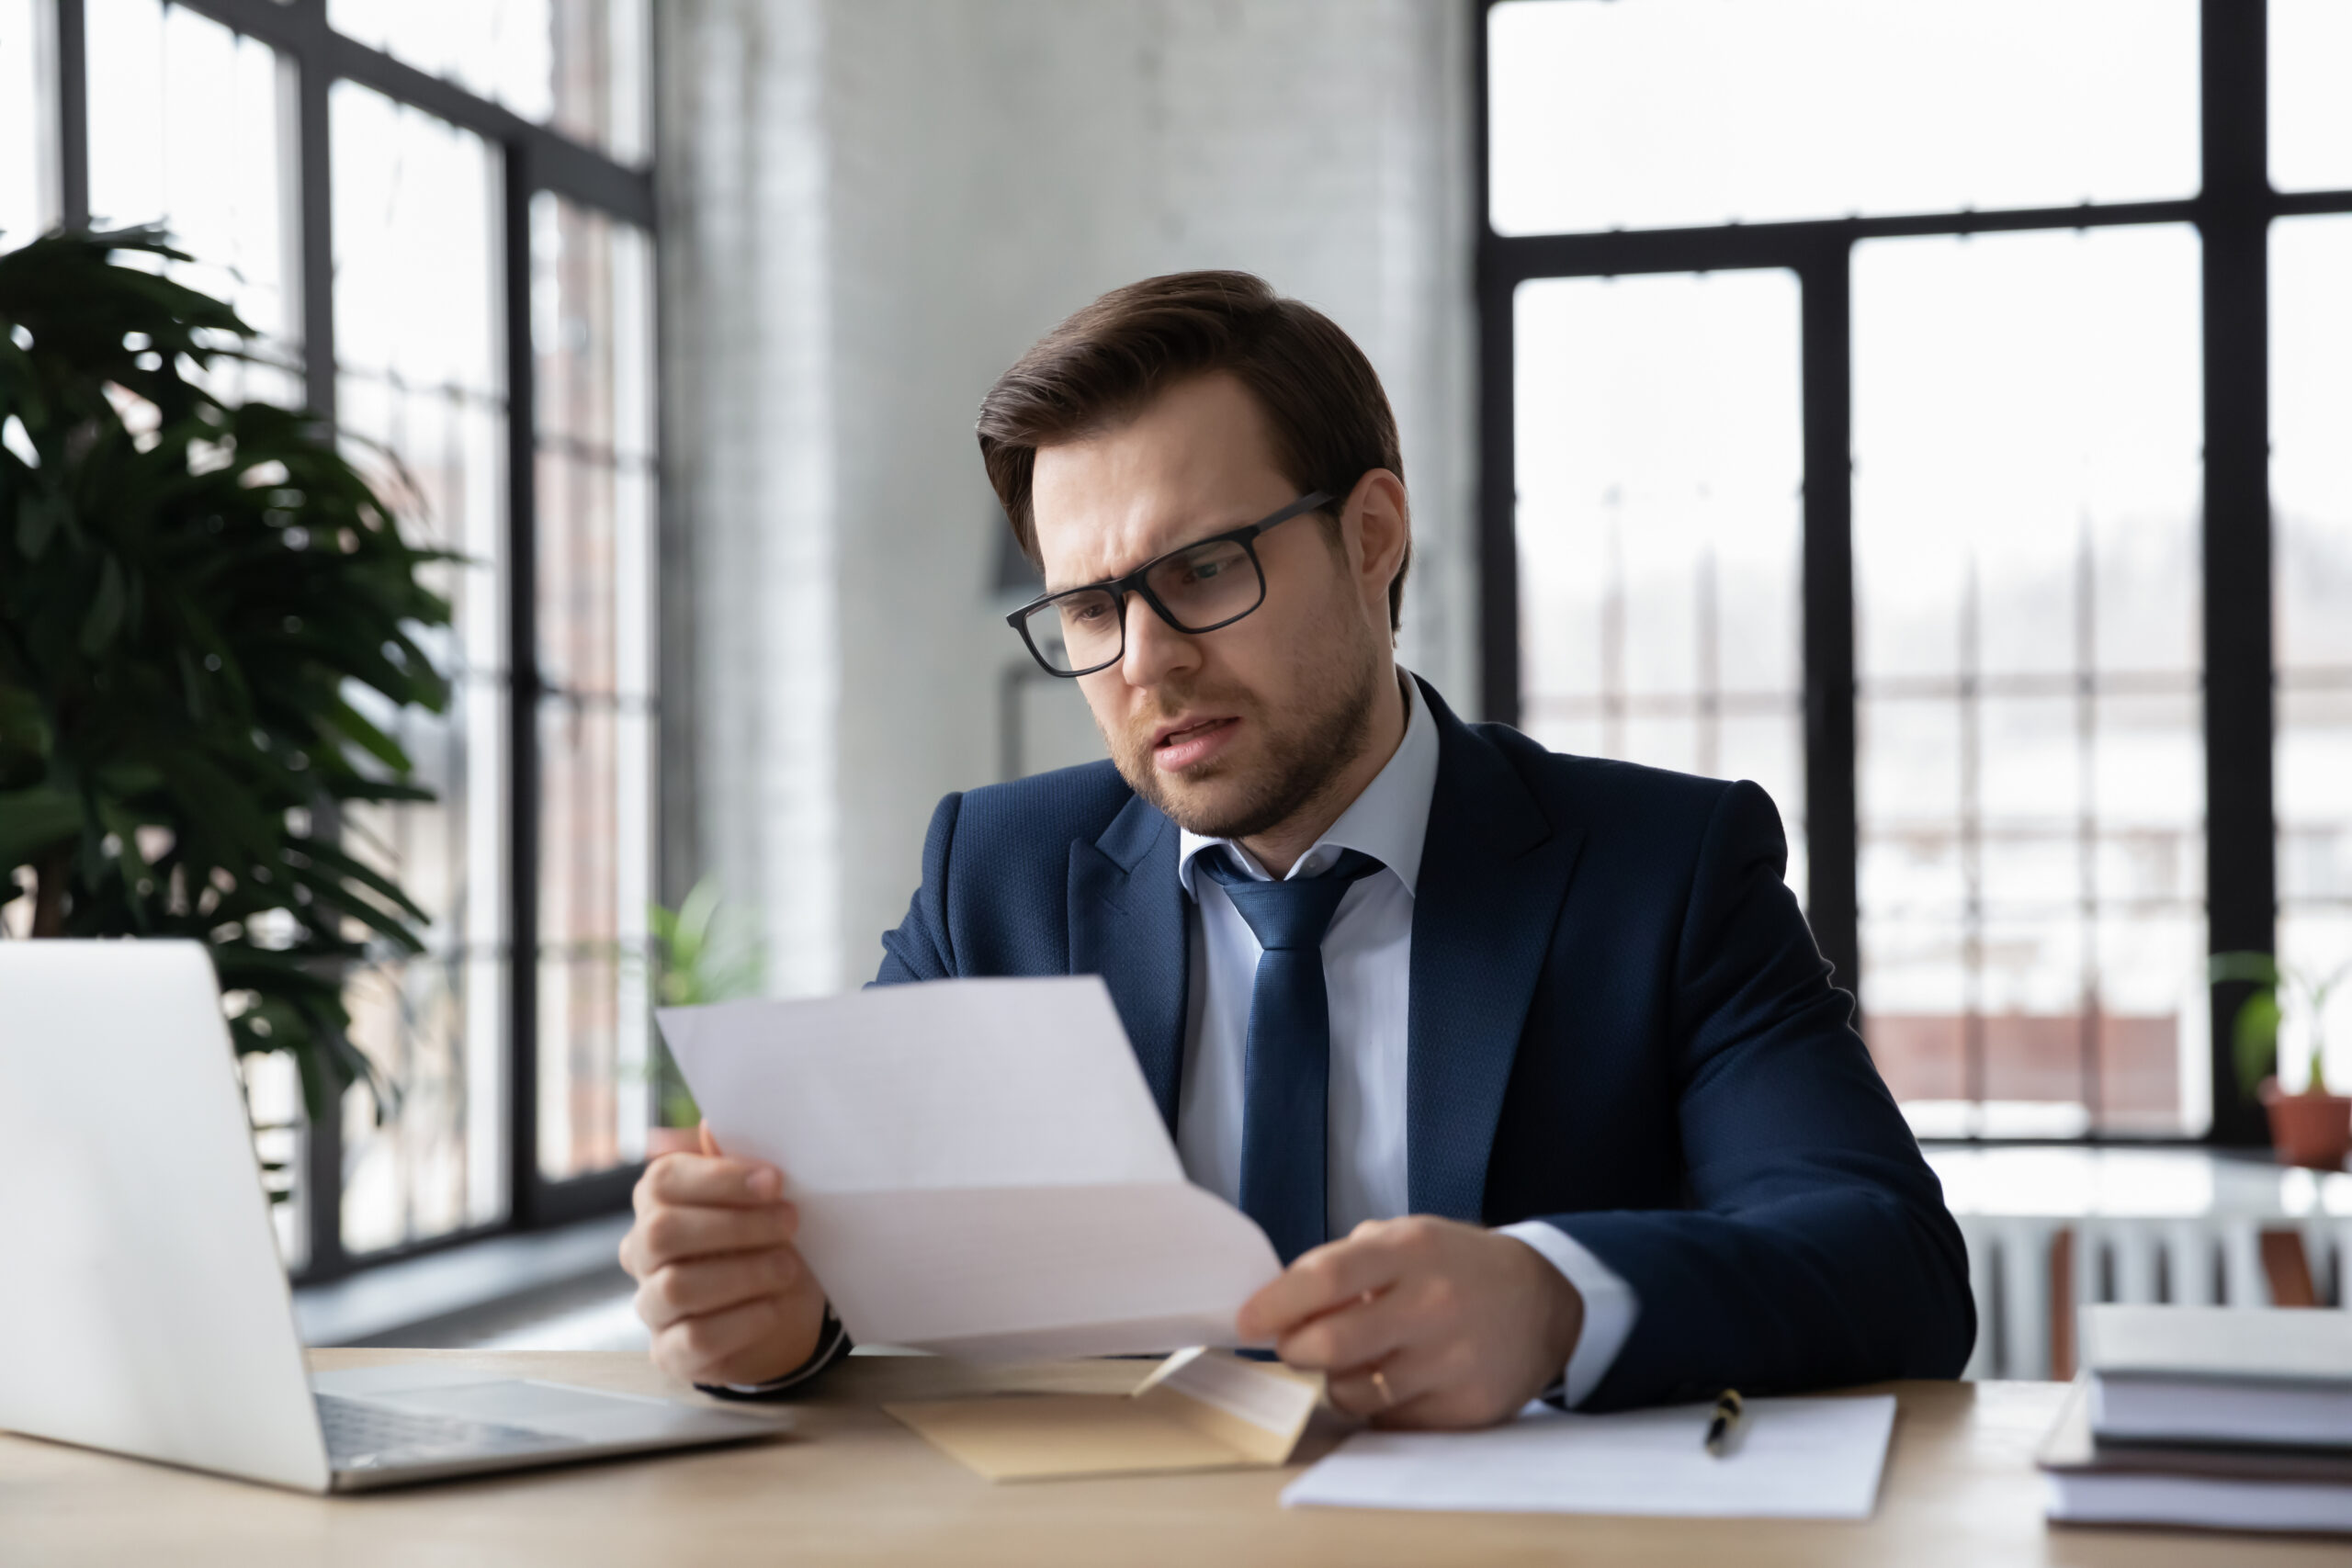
<point>1329,419</point>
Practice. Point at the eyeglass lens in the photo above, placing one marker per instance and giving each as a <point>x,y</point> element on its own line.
<point>1202,587</point>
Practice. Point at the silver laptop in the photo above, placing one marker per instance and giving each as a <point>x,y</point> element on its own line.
<point>145,1311</point>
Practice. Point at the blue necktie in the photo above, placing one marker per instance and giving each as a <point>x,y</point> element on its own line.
<point>1286,1068</point>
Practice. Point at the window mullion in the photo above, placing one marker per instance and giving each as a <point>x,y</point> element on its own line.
<point>2241,873</point>
<point>72,56</point>
<point>323,1140</point>
<point>1826,403</point>
<point>524,1186</point>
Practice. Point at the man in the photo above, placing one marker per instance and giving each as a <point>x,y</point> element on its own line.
<point>1527,1063</point>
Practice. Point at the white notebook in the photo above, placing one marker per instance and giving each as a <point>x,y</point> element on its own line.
<point>2220,1374</point>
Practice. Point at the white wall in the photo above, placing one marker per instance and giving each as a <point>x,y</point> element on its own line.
<point>872,207</point>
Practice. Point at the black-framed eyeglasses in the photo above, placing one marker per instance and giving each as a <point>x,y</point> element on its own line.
<point>1197,588</point>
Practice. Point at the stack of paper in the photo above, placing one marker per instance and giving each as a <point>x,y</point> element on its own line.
<point>1813,1458</point>
<point>2217,1417</point>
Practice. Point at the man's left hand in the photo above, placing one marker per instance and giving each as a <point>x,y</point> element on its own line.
<point>1422,1322</point>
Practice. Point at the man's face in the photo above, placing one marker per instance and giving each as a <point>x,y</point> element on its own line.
<point>1235,731</point>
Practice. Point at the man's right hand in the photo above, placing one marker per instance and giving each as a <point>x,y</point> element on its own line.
<point>727,1297</point>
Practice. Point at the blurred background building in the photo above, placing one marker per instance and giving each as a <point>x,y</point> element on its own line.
<point>1870,400</point>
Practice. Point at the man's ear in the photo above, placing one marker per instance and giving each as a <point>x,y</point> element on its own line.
<point>1377,520</point>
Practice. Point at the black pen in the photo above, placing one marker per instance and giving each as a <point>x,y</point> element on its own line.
<point>1725,1427</point>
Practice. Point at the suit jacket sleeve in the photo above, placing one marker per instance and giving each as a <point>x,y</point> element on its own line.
<point>922,948</point>
<point>1816,1249</point>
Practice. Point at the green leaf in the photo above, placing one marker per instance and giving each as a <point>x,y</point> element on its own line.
<point>128,778</point>
<point>213,802</point>
<point>344,866</point>
<point>35,820</point>
<point>37,520</point>
<point>22,722</point>
<point>105,618</point>
<point>347,721</point>
<point>699,913</point>
<point>2254,1038</point>
<point>130,865</point>
<point>702,955</point>
<point>2258,968</point>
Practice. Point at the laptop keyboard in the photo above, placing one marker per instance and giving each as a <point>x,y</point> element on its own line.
<point>366,1436</point>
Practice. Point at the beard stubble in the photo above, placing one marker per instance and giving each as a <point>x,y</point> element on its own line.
<point>1302,758</point>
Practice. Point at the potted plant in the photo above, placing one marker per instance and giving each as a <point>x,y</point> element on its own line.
<point>703,952</point>
<point>2313,1127</point>
<point>196,601</point>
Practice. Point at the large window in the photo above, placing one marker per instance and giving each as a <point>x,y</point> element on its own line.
<point>592,302</point>
<point>188,128</point>
<point>439,218</point>
<point>2310,425</point>
<point>28,123</point>
<point>1659,481</point>
<point>1653,113</point>
<point>2029,755</point>
<point>1875,407</point>
<point>420,390</point>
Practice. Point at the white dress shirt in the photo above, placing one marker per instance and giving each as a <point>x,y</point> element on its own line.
<point>1367,971</point>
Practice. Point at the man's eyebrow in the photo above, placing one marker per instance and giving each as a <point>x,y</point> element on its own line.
<point>1186,542</point>
<point>1053,588</point>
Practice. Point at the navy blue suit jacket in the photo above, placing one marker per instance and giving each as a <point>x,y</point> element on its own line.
<point>1619,1023</point>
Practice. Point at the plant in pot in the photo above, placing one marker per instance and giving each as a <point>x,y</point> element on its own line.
<point>197,600</point>
<point>704,950</point>
<point>2313,1126</point>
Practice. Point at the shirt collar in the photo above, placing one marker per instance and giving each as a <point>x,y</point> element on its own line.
<point>1387,821</point>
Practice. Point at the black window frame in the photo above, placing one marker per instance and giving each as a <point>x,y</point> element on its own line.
<point>2231,213</point>
<point>533,158</point>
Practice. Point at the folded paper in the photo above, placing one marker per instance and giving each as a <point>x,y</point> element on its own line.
<point>980,1168</point>
<point>1198,1410</point>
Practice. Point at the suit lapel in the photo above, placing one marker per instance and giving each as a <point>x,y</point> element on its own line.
<point>1127,924</point>
<point>1494,872</point>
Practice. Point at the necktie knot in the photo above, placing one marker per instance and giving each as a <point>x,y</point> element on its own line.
<point>1290,915</point>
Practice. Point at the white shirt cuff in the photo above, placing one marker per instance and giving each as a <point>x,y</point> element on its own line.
<point>1610,1306</point>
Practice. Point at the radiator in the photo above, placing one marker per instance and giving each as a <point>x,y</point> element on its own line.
<point>2028,1272</point>
<point>2052,1229</point>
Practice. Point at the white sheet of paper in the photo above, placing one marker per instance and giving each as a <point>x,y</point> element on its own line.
<point>978,1166</point>
<point>1801,1459</point>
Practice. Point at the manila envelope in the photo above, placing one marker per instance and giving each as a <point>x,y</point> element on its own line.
<point>1198,1410</point>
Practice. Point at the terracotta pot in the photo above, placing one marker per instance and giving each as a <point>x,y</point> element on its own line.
<point>659,1141</point>
<point>2313,1130</point>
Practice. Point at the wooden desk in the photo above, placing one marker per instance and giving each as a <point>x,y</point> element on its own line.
<point>853,1487</point>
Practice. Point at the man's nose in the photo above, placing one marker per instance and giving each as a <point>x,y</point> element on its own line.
<point>1155,649</point>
